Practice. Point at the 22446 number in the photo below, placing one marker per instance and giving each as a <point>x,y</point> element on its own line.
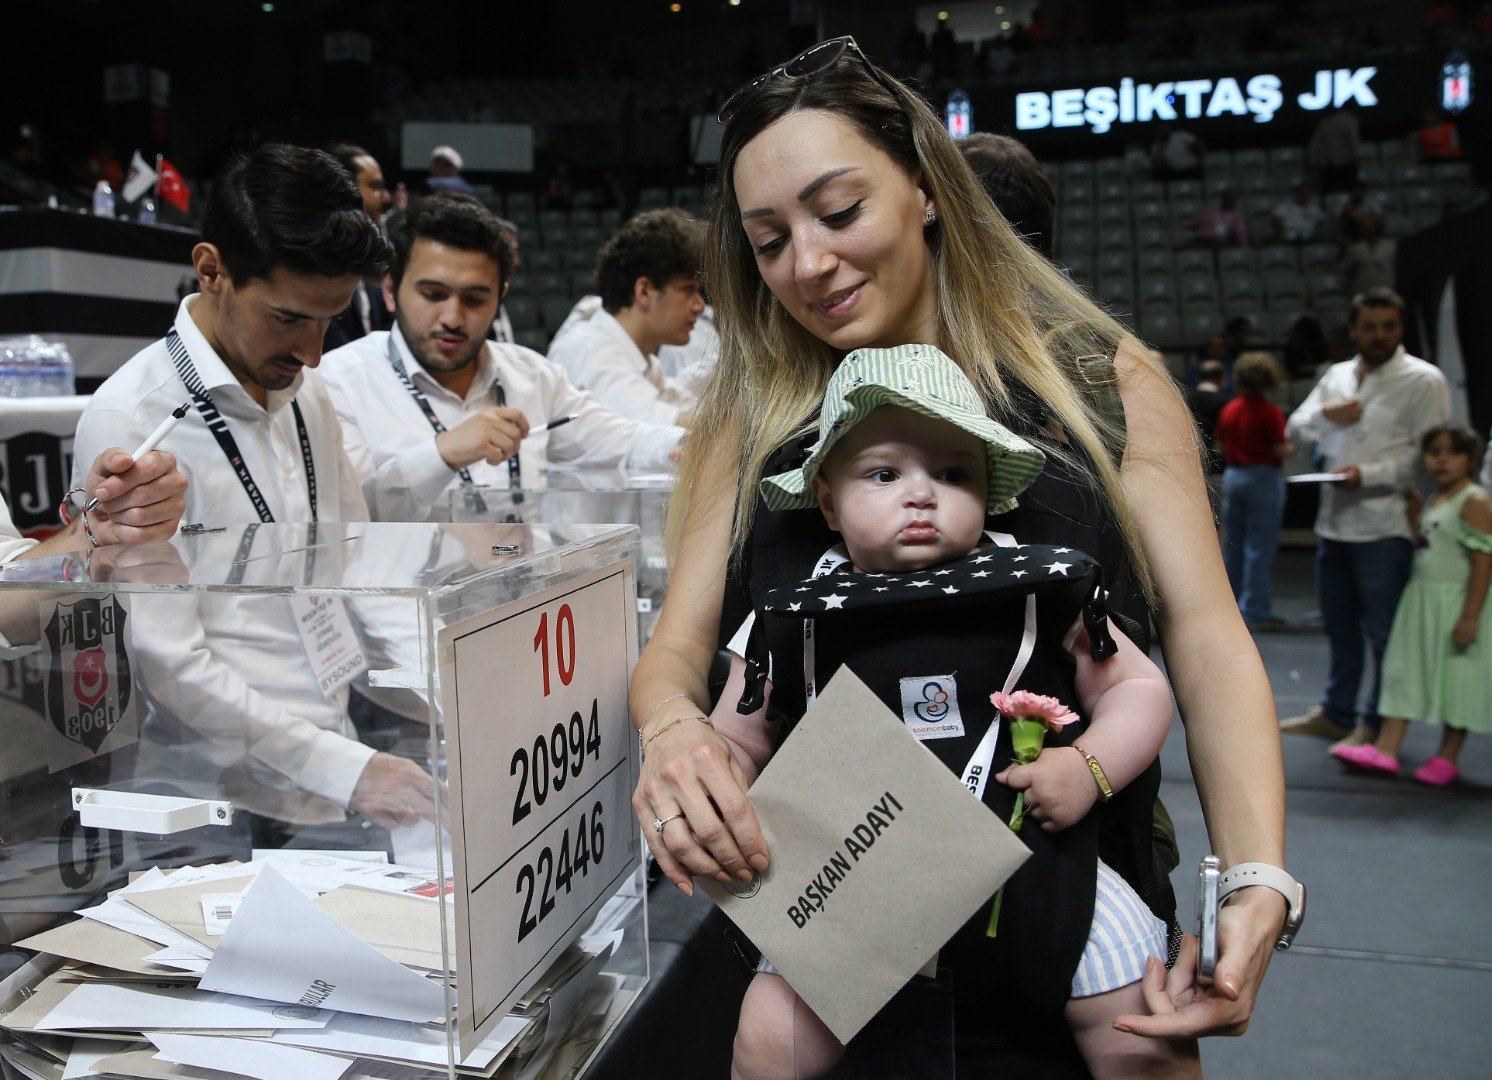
<point>558,866</point>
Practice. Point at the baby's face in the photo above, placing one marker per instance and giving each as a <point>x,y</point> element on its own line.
<point>905,491</point>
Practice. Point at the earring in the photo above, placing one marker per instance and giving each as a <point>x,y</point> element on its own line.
<point>930,216</point>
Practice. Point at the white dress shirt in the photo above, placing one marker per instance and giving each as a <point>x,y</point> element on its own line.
<point>1299,221</point>
<point>12,543</point>
<point>1401,399</point>
<point>392,445</point>
<point>235,658</point>
<point>600,356</point>
<point>137,397</point>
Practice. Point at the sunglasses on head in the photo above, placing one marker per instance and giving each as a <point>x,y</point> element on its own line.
<point>810,61</point>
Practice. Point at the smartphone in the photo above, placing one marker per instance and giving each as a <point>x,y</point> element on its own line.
<point>1209,872</point>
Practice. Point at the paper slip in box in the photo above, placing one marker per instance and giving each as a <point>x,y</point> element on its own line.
<point>863,826</point>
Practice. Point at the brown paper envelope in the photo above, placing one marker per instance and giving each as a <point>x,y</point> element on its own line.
<point>24,1014</point>
<point>403,928</point>
<point>92,942</point>
<point>864,826</point>
<point>181,906</point>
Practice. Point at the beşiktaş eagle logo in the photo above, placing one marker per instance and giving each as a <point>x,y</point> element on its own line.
<point>90,683</point>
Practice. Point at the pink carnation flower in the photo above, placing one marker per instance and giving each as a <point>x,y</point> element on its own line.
<point>1024,705</point>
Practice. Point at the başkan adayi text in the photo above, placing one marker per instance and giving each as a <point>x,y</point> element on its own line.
<point>860,839</point>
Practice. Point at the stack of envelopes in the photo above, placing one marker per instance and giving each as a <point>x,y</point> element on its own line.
<point>296,965</point>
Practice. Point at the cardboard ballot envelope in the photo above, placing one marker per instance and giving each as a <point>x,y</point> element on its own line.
<point>863,825</point>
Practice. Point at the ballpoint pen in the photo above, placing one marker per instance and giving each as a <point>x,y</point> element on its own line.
<point>558,422</point>
<point>150,443</point>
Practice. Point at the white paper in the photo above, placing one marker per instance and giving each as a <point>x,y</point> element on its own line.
<point>391,1039</point>
<point>301,854</point>
<point>217,911</point>
<point>249,1057</point>
<point>1316,478</point>
<point>122,915</point>
<point>178,959</point>
<point>86,1053</point>
<point>282,947</point>
<point>143,1007</point>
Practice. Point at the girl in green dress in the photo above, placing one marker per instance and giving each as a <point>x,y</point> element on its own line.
<point>1438,666</point>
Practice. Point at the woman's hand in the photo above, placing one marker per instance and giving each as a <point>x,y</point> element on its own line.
<point>692,782</point>
<point>1180,1007</point>
<point>1059,788</point>
<point>1464,634</point>
<point>139,501</point>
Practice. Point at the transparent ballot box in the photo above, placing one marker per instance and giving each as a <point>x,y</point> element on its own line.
<point>587,497</point>
<point>275,797</point>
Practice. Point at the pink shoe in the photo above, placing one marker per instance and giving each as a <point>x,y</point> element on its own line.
<point>1437,772</point>
<point>1367,759</point>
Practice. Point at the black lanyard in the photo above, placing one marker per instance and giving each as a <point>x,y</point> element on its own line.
<point>515,475</point>
<point>473,500</point>
<point>229,445</point>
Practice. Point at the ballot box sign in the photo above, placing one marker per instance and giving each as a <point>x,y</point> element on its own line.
<point>91,697</point>
<point>542,761</point>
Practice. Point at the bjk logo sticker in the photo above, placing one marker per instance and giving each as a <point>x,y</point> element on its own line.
<point>90,683</point>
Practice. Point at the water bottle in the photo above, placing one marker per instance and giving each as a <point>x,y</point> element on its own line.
<point>54,370</point>
<point>12,373</point>
<point>103,199</point>
<point>147,211</point>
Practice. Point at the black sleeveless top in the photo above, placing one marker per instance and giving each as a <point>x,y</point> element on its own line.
<point>1064,506</point>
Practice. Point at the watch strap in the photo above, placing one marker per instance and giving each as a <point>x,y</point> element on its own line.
<point>1244,875</point>
<point>1101,778</point>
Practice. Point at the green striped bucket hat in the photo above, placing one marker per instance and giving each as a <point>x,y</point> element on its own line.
<point>925,380</point>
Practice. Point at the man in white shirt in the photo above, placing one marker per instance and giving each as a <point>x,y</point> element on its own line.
<point>239,352</point>
<point>1365,416</point>
<point>420,404</point>
<point>1298,219</point>
<point>648,274</point>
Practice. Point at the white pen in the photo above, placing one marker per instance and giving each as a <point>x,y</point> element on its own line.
<point>151,443</point>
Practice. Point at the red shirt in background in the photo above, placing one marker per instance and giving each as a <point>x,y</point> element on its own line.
<point>1249,428</point>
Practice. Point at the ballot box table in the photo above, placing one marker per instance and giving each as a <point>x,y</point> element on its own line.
<point>332,800</point>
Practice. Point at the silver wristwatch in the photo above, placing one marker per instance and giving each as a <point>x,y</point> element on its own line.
<point>1256,873</point>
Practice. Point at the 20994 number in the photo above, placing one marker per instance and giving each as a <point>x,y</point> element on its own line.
<point>558,866</point>
<point>554,760</point>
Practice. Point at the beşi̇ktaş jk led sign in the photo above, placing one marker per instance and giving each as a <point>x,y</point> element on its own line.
<point>1262,96</point>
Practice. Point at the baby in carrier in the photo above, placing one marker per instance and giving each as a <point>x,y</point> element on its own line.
<point>906,468</point>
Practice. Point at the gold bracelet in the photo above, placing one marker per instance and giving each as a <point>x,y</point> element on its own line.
<point>1105,791</point>
<point>642,744</point>
<point>649,714</point>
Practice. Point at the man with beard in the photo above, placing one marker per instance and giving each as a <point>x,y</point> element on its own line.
<point>433,404</point>
<point>285,241</point>
<point>1365,416</point>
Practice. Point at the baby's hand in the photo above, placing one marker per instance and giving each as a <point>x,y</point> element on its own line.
<point>1059,788</point>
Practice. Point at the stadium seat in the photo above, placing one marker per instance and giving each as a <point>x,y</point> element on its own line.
<point>1153,237</point>
<point>1113,262</point>
<point>1115,236</point>
<point>523,310</point>
<point>1278,257</point>
<point>1157,289</point>
<point>1236,260</point>
<point>1194,261</point>
<point>555,306</point>
<point>1161,326</point>
<point>1319,256</point>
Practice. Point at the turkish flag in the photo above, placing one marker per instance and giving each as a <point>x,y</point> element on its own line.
<point>173,188</point>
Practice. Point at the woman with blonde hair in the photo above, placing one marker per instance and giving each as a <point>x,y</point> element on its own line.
<point>846,218</point>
